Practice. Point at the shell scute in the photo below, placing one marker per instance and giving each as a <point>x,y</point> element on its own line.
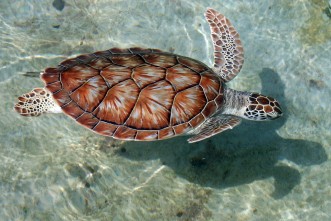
<point>157,51</point>
<point>146,135</point>
<point>166,133</point>
<point>192,64</point>
<point>62,97</point>
<point>114,74</point>
<point>181,77</point>
<point>147,74</point>
<point>85,58</point>
<point>118,102</point>
<point>104,54</point>
<point>187,104</point>
<point>151,110</point>
<point>197,120</point>
<point>210,84</point>
<point>161,60</point>
<point>127,60</point>
<point>76,76</point>
<point>219,99</point>
<point>88,120</point>
<point>72,109</point>
<point>50,75</point>
<point>70,63</point>
<point>138,50</point>
<point>125,133</point>
<point>209,109</point>
<point>90,94</point>
<point>182,128</point>
<point>104,128</point>
<point>99,63</point>
<point>54,87</point>
<point>119,51</point>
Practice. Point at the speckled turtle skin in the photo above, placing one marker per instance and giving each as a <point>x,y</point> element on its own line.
<point>135,93</point>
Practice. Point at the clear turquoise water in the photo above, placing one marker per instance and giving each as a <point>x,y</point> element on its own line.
<point>52,169</point>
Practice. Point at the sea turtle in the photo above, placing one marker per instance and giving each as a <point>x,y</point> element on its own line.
<point>148,94</point>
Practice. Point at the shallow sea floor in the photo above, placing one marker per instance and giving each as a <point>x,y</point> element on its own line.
<point>53,169</point>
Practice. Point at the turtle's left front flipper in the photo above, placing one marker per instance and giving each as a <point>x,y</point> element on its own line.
<point>228,50</point>
<point>214,125</point>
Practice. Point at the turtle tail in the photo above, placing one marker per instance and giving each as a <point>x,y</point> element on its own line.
<point>36,102</point>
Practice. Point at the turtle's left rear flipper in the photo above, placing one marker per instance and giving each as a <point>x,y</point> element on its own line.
<point>36,102</point>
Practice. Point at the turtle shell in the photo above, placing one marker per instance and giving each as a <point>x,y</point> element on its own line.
<point>135,94</point>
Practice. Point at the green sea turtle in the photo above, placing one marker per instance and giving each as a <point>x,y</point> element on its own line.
<point>148,94</point>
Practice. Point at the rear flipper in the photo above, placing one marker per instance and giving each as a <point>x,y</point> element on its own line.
<point>213,126</point>
<point>36,102</point>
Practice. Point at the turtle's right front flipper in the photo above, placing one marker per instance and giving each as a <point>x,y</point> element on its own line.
<point>214,125</point>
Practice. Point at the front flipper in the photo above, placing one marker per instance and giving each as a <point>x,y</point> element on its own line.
<point>213,126</point>
<point>228,51</point>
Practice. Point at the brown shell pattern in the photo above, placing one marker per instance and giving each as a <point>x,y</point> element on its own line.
<point>135,94</point>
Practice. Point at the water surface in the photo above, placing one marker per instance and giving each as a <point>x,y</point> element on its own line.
<point>53,169</point>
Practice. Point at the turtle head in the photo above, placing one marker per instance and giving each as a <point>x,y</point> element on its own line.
<point>262,107</point>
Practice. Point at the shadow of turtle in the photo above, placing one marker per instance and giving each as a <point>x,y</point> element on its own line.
<point>253,151</point>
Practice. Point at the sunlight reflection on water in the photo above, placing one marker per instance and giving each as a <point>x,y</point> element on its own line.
<point>53,169</point>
